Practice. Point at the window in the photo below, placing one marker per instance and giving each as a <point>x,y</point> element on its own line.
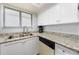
<point>26,20</point>
<point>11,18</point>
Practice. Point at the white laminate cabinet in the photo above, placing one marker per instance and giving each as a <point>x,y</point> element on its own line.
<point>45,50</point>
<point>26,20</point>
<point>61,50</point>
<point>22,47</point>
<point>12,48</point>
<point>0,49</point>
<point>48,17</point>
<point>30,47</point>
<point>68,13</point>
<point>59,14</point>
<point>11,18</point>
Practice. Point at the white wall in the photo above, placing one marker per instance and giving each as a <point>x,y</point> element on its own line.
<point>8,30</point>
<point>0,16</point>
<point>63,28</point>
<point>34,22</point>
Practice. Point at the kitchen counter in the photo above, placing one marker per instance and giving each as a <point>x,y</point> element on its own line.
<point>72,43</point>
<point>69,42</point>
<point>4,39</point>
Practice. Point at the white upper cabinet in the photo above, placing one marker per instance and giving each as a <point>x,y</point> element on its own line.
<point>11,18</point>
<point>59,14</point>
<point>48,17</point>
<point>26,19</point>
<point>68,12</point>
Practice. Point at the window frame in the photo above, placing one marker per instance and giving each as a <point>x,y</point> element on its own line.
<point>20,17</point>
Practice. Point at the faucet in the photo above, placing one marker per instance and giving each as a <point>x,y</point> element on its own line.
<point>25,33</point>
<point>24,30</point>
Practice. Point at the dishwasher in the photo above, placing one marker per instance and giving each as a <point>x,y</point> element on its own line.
<point>46,47</point>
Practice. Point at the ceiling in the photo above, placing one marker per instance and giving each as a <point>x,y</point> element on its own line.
<point>32,7</point>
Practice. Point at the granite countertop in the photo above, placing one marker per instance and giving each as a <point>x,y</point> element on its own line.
<point>4,38</point>
<point>69,42</point>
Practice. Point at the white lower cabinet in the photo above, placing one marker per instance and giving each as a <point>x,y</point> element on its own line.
<point>45,50</point>
<point>30,47</point>
<point>21,47</point>
<point>11,48</point>
<point>61,50</point>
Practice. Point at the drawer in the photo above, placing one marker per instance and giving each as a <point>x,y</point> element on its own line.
<point>45,50</point>
<point>59,49</point>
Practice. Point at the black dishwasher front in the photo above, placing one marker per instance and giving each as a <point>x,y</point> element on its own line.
<point>47,42</point>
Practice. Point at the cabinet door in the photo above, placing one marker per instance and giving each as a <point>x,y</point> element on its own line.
<point>26,19</point>
<point>49,16</point>
<point>45,50</point>
<point>23,47</point>
<point>12,48</point>
<point>59,14</point>
<point>68,13</point>
<point>11,18</point>
<point>31,46</point>
<point>61,50</point>
<point>0,49</point>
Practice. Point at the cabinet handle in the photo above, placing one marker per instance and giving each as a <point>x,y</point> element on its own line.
<point>13,43</point>
<point>8,44</point>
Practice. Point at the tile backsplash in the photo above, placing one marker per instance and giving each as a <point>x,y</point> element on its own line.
<point>72,28</point>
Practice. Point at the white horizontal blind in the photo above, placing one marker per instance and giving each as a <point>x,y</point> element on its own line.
<point>26,20</point>
<point>11,18</point>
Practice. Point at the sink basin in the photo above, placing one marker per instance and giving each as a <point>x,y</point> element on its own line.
<point>19,35</point>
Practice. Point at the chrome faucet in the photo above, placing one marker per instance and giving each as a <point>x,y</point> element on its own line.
<point>24,30</point>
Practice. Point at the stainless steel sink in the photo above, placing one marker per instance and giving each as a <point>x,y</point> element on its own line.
<point>19,35</point>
